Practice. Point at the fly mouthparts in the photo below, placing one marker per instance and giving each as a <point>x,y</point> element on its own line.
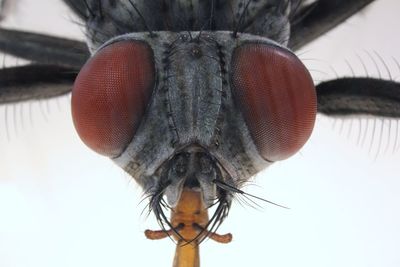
<point>161,234</point>
<point>225,238</point>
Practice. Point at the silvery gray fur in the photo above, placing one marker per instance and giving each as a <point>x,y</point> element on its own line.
<point>192,106</point>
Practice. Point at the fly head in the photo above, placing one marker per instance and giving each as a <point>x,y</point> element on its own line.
<point>201,110</point>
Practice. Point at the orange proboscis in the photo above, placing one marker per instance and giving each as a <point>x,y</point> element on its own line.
<point>189,218</point>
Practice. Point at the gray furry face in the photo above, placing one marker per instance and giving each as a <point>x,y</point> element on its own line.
<point>193,131</point>
<point>192,106</point>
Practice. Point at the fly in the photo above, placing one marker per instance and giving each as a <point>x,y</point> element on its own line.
<point>206,111</point>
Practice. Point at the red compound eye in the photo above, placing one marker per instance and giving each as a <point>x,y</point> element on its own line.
<point>277,97</point>
<point>110,96</point>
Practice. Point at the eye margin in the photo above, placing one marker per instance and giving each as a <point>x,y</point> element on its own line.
<point>260,144</point>
<point>146,91</point>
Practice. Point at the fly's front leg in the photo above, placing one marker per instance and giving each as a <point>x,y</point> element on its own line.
<point>359,96</point>
<point>54,64</point>
<point>44,49</point>
<point>34,82</point>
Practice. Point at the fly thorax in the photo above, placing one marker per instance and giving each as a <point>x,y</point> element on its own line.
<point>267,18</point>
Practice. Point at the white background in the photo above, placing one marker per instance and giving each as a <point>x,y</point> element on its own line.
<point>63,205</point>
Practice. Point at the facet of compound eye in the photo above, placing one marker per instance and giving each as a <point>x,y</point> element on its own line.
<point>110,95</point>
<point>276,96</point>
